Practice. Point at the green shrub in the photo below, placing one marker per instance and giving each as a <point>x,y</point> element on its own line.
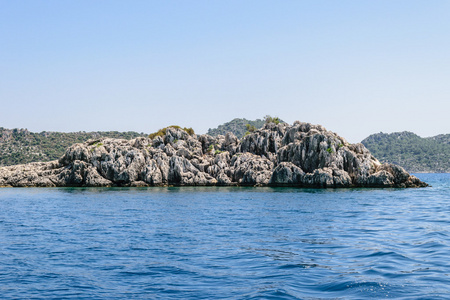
<point>98,144</point>
<point>330,150</point>
<point>269,119</point>
<point>162,132</point>
<point>250,128</point>
<point>189,130</point>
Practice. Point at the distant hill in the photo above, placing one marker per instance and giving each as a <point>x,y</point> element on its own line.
<point>414,153</point>
<point>236,126</point>
<point>442,138</point>
<point>20,146</point>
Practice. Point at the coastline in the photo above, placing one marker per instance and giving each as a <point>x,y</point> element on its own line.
<point>279,155</point>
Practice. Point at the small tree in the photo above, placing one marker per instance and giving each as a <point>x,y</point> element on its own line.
<point>250,128</point>
<point>269,119</point>
<point>189,130</point>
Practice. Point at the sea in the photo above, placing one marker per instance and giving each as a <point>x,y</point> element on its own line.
<point>226,243</point>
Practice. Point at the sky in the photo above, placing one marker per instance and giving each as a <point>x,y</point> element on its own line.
<point>355,67</point>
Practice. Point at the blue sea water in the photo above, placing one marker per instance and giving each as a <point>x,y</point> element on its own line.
<point>226,243</point>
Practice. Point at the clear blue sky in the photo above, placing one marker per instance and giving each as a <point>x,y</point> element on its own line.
<point>356,67</point>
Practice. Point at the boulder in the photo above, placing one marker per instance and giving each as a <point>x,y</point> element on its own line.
<point>286,173</point>
<point>251,169</point>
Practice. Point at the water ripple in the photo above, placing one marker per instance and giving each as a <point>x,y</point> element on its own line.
<point>226,243</point>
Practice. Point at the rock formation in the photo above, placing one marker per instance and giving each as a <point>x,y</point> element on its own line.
<point>301,155</point>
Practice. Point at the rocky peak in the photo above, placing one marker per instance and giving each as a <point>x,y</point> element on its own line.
<point>301,154</point>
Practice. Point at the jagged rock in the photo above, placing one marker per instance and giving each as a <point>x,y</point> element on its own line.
<point>251,169</point>
<point>287,173</point>
<point>399,174</point>
<point>157,142</point>
<point>73,174</point>
<point>223,179</point>
<point>174,134</point>
<point>207,143</point>
<point>231,143</point>
<point>182,172</point>
<point>380,178</point>
<point>122,166</point>
<point>220,164</point>
<point>152,173</point>
<point>341,178</point>
<point>264,143</point>
<point>41,174</point>
<point>302,155</point>
<point>94,179</point>
<point>319,178</point>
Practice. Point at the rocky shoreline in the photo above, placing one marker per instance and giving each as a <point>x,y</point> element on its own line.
<point>298,155</point>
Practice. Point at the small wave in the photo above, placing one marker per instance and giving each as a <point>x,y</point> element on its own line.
<point>430,244</point>
<point>138,273</point>
<point>271,293</point>
<point>301,266</point>
<point>391,254</point>
<point>370,289</point>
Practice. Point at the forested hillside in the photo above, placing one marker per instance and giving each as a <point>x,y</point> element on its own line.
<point>414,153</point>
<point>239,126</point>
<point>19,146</point>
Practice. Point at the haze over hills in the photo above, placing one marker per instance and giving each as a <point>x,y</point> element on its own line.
<point>414,153</point>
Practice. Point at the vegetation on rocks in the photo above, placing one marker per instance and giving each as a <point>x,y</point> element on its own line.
<point>269,119</point>
<point>162,132</point>
<point>301,155</point>
<point>414,153</point>
<point>239,126</point>
<point>250,128</point>
<point>20,146</point>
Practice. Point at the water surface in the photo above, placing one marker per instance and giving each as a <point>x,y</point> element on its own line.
<point>225,243</point>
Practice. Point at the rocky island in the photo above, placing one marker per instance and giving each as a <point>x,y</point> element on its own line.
<point>298,155</point>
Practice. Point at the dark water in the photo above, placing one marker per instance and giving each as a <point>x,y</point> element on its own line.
<point>226,243</point>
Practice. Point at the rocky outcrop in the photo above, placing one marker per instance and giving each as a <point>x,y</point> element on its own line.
<point>300,155</point>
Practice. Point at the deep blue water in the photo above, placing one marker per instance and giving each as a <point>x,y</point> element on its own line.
<point>225,243</point>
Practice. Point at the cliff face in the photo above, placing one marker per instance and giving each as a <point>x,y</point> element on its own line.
<point>302,155</point>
